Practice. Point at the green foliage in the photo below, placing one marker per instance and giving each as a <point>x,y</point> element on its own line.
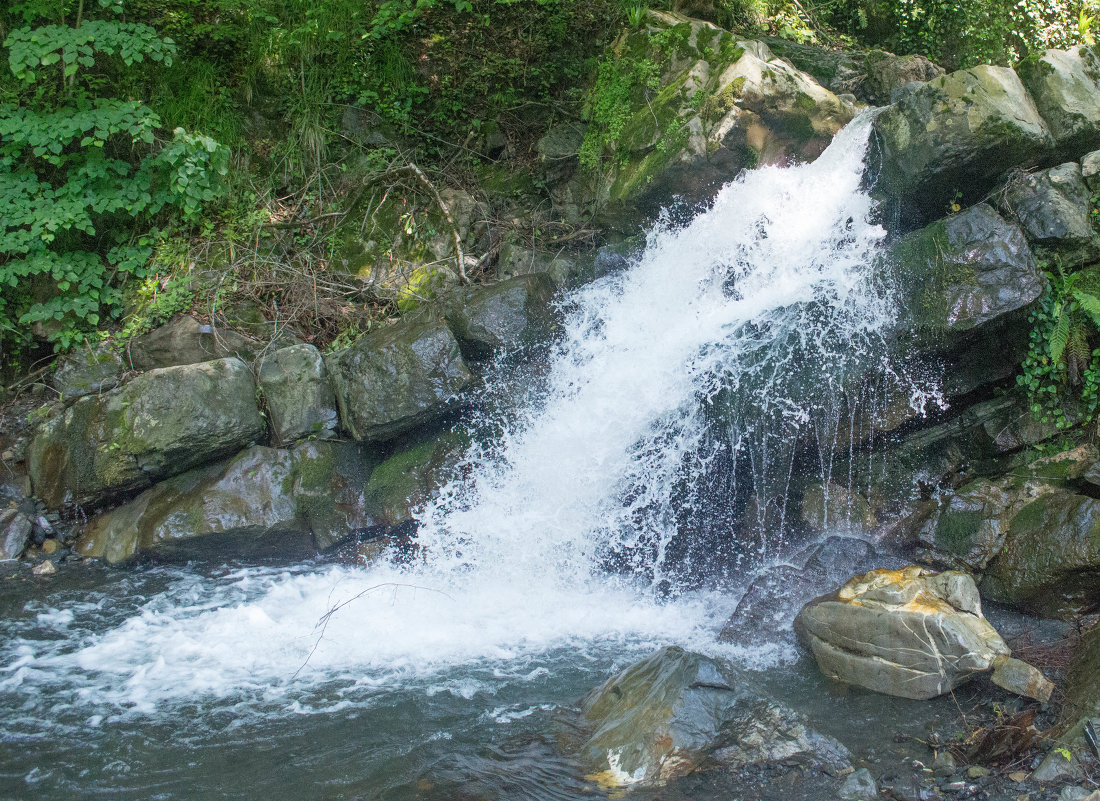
<point>84,180</point>
<point>1061,373</point>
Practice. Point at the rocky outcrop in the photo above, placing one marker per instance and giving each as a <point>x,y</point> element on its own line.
<point>397,378</point>
<point>162,423</point>
<point>907,632</point>
<point>505,316</point>
<point>296,391</point>
<point>1052,207</point>
<point>185,340</point>
<point>262,502</point>
<point>670,713</point>
<point>959,133</point>
<point>1065,85</point>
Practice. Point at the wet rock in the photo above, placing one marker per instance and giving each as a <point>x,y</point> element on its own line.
<point>858,786</point>
<point>1021,678</point>
<point>262,502</point>
<point>508,315</point>
<point>515,261</point>
<point>162,423</point>
<point>1076,753</point>
<point>185,340</point>
<point>87,371</point>
<point>907,632</point>
<point>300,401</point>
<point>46,568</point>
<point>1065,85</point>
<point>15,532</point>
<point>959,133</point>
<point>968,528</point>
<point>664,716</point>
<point>1052,207</point>
<point>886,73</point>
<point>1049,564</point>
<point>411,477</point>
<point>831,507</point>
<point>963,272</point>
<point>944,764</point>
<point>397,378</point>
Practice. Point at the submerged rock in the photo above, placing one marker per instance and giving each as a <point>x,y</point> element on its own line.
<point>1052,207</point>
<point>667,715</point>
<point>858,786</point>
<point>909,632</point>
<point>397,378</point>
<point>959,133</point>
<point>162,423</point>
<point>300,401</point>
<point>262,502</point>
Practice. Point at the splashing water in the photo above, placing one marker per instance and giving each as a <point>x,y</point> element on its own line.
<point>745,327</point>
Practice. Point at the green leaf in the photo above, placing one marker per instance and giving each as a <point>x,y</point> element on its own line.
<point>1059,337</point>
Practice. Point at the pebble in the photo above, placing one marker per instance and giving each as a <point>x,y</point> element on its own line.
<point>977,772</point>
<point>47,568</point>
<point>1018,776</point>
<point>51,546</point>
<point>944,764</point>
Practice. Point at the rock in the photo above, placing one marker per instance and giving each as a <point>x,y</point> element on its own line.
<point>1021,678</point>
<point>968,528</point>
<point>1076,794</point>
<point>887,73</point>
<point>664,716</point>
<point>185,340</point>
<point>1090,170</point>
<point>721,104</point>
<point>858,786</point>
<point>906,632</point>
<point>262,502</point>
<point>958,133</point>
<point>977,772</point>
<point>561,143</point>
<point>1052,207</point>
<point>505,316</point>
<point>1049,564</point>
<point>1076,753</point>
<point>300,402</point>
<point>963,272</point>
<point>411,477</point>
<point>365,126</point>
<point>516,261</point>
<point>160,424</point>
<point>835,508</point>
<point>15,531</point>
<point>944,764</point>
<point>87,371</point>
<point>46,568</point>
<point>1065,85</point>
<point>51,547</point>
<point>397,378</point>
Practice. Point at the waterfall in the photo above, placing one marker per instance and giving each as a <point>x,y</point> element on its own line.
<point>679,393</point>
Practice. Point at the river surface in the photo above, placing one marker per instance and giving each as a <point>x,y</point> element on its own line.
<point>652,457</point>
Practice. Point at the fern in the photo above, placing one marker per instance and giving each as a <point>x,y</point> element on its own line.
<point>1059,337</point>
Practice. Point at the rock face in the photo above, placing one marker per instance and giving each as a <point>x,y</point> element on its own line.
<point>392,380</point>
<point>907,632</point>
<point>185,340</point>
<point>507,315</point>
<point>160,424</point>
<point>264,501</point>
<point>1066,87</point>
<point>959,132</point>
<point>1052,207</point>
<point>1080,717</point>
<point>300,401</point>
<point>409,478</point>
<point>1050,562</point>
<point>666,715</point>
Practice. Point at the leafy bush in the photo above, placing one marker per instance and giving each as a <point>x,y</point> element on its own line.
<point>83,178</point>
<point>1061,372</point>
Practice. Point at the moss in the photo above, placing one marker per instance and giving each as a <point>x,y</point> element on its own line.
<point>956,530</point>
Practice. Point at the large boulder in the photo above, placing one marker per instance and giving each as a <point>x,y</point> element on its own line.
<point>504,316</point>
<point>1052,207</point>
<point>1065,85</point>
<point>299,399</point>
<point>667,715</point>
<point>397,378</point>
<point>906,632</point>
<point>958,133</point>
<point>185,340</point>
<point>1050,562</point>
<point>263,501</point>
<point>716,105</point>
<point>162,423</point>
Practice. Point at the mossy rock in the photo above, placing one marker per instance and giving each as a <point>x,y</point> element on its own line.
<point>1066,87</point>
<point>412,476</point>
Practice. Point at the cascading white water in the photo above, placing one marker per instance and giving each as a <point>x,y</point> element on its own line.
<point>770,285</point>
